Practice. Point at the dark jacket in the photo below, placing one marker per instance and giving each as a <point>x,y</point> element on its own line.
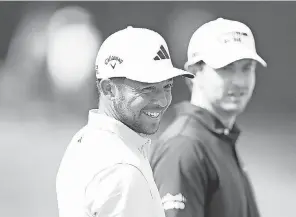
<point>197,170</point>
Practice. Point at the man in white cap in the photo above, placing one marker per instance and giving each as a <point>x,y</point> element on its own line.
<point>196,166</point>
<point>105,170</point>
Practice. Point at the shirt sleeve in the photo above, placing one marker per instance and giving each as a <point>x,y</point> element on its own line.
<point>120,191</point>
<point>181,177</point>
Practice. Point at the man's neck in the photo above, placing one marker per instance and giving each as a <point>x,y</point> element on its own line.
<point>226,119</point>
<point>105,108</point>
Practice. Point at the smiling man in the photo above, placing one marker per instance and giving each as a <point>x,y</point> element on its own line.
<point>195,165</point>
<point>105,170</point>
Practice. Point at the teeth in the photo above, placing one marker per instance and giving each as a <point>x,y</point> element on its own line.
<point>152,114</point>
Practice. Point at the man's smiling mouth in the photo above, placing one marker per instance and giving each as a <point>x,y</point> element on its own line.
<point>153,114</point>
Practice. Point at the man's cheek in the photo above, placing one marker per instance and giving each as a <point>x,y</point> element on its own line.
<point>169,99</point>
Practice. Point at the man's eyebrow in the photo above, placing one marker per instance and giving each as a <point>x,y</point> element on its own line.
<point>251,63</point>
<point>248,65</point>
<point>146,84</point>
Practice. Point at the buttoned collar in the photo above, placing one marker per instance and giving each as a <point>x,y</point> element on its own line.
<point>210,121</point>
<point>103,122</point>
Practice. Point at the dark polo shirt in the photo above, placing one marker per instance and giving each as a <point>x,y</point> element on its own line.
<point>197,170</point>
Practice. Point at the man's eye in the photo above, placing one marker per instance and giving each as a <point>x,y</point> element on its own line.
<point>148,89</point>
<point>249,68</point>
<point>227,68</point>
<point>168,86</point>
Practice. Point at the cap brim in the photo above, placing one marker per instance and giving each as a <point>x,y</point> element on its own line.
<point>192,61</point>
<point>149,75</point>
<point>220,59</point>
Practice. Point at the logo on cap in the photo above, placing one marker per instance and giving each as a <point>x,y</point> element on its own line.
<point>233,37</point>
<point>113,60</point>
<point>161,54</point>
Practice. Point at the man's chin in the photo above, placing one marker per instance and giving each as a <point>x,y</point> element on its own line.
<point>149,129</point>
<point>150,133</point>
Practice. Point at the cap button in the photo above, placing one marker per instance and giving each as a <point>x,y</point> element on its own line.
<point>226,131</point>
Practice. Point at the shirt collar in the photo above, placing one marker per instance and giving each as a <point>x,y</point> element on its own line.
<point>208,120</point>
<point>107,123</point>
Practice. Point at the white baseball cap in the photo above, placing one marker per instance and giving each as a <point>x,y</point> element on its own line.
<point>221,42</point>
<point>138,54</point>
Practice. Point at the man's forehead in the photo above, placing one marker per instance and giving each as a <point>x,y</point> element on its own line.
<point>138,83</point>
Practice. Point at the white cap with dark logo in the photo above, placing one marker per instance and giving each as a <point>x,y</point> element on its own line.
<point>221,42</point>
<point>138,54</point>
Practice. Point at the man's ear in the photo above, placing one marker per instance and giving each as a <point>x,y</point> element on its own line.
<point>195,69</point>
<point>108,88</point>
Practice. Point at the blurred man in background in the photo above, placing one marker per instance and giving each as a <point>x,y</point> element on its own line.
<point>105,170</point>
<point>196,166</point>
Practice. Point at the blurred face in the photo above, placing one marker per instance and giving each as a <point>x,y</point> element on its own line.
<point>141,105</point>
<point>229,89</point>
